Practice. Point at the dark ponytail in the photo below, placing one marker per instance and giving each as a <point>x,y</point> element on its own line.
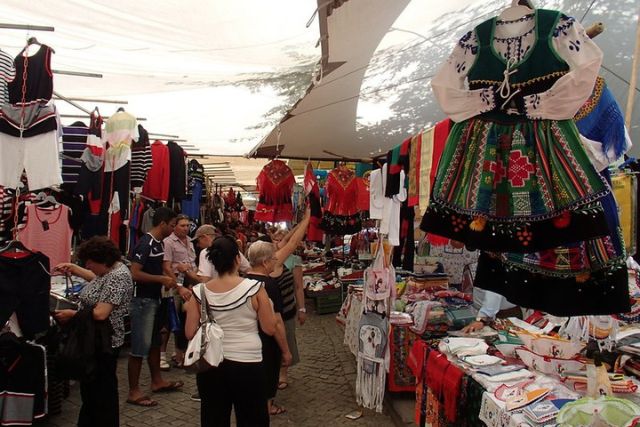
<point>223,253</point>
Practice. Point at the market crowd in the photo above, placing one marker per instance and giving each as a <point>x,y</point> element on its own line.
<point>250,282</point>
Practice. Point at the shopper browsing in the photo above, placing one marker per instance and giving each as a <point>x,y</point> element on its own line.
<point>109,291</point>
<point>146,269</point>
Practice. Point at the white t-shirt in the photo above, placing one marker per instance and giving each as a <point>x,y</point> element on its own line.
<point>206,268</point>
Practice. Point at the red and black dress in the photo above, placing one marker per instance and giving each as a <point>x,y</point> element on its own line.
<point>275,185</point>
<point>341,215</point>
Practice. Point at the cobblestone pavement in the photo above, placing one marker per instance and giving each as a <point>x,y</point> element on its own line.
<point>320,392</point>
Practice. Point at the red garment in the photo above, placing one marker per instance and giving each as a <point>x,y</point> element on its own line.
<point>437,365</point>
<point>312,190</point>
<point>230,198</point>
<point>116,221</point>
<point>156,186</point>
<point>342,191</point>
<point>275,185</point>
<point>362,201</point>
<point>451,392</point>
<point>440,135</point>
<point>416,359</point>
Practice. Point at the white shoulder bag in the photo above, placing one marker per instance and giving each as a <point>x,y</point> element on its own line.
<point>205,348</point>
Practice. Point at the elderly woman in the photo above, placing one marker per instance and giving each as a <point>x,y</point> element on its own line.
<point>275,349</point>
<point>109,292</point>
<point>238,305</point>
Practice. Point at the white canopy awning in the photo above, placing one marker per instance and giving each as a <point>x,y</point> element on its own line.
<point>379,57</point>
<point>217,73</point>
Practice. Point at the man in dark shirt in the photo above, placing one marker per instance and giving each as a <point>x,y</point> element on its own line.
<point>146,270</point>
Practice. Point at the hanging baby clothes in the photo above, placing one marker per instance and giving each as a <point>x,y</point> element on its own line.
<point>28,124</point>
<point>514,175</point>
<point>591,274</point>
<point>311,189</point>
<point>275,186</point>
<point>341,214</point>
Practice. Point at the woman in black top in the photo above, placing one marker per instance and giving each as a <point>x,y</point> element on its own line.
<point>275,350</point>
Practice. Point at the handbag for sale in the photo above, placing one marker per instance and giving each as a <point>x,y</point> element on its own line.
<point>205,348</point>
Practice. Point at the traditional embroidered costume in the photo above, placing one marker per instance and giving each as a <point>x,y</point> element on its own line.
<point>516,178</point>
<point>341,214</point>
<point>275,185</point>
<point>514,175</point>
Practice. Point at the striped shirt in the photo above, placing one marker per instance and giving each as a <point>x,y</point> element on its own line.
<point>140,158</point>
<point>74,141</point>
<point>7,73</point>
<point>287,289</point>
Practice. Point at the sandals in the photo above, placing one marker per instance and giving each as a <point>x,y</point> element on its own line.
<point>282,385</point>
<point>276,410</point>
<point>144,401</point>
<point>171,386</point>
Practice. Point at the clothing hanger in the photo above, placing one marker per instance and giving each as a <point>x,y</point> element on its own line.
<point>120,110</point>
<point>48,199</point>
<point>34,41</point>
<point>14,246</point>
<point>517,10</point>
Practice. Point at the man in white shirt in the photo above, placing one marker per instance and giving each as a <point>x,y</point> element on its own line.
<point>205,235</point>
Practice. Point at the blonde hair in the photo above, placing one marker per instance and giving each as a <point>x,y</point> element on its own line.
<point>260,252</point>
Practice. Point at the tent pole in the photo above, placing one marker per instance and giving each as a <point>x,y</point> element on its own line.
<point>78,74</point>
<point>26,27</point>
<point>79,107</point>
<point>101,101</point>
<point>634,78</point>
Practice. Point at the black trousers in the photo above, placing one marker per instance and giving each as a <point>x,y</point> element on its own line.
<point>234,384</point>
<point>100,406</point>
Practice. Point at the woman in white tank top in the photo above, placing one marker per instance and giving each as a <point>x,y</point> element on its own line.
<point>237,305</point>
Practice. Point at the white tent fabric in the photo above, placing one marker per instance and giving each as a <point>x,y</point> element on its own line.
<point>221,74</point>
<point>204,70</point>
<point>382,55</point>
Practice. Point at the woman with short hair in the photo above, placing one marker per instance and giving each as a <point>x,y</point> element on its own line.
<point>109,292</point>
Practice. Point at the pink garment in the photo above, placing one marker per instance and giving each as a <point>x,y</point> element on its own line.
<point>48,231</point>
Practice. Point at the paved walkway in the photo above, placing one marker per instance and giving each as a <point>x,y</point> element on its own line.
<point>320,392</point>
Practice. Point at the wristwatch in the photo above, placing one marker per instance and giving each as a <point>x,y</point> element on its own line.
<point>302,310</point>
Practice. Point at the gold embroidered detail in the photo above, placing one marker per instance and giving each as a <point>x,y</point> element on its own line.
<point>519,85</point>
<point>593,100</point>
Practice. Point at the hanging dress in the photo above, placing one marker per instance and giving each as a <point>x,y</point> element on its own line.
<point>275,186</point>
<point>591,275</point>
<point>312,191</point>
<point>514,175</point>
<point>341,215</point>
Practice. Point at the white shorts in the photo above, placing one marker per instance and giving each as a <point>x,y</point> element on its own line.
<point>37,155</point>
